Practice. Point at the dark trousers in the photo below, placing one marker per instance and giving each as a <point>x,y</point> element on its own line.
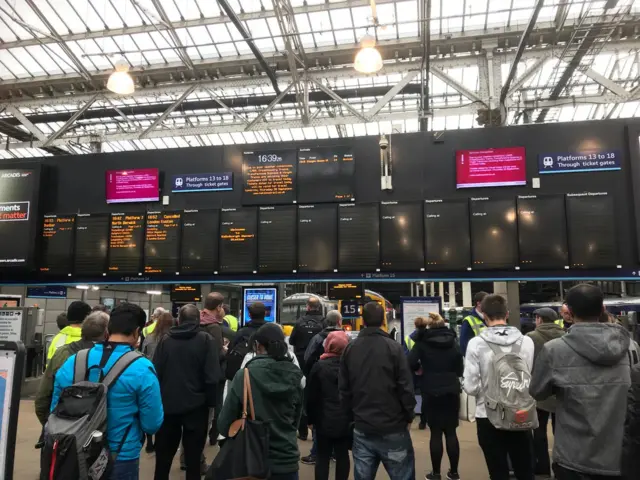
<point>541,442</point>
<point>213,431</point>
<point>562,473</point>
<point>284,476</point>
<point>191,427</point>
<point>436,448</point>
<point>423,410</point>
<point>340,447</point>
<point>499,445</point>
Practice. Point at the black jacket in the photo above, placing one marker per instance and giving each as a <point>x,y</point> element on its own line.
<point>375,383</point>
<point>246,332</point>
<point>315,349</point>
<point>306,328</point>
<point>437,353</point>
<point>631,442</point>
<point>323,406</point>
<point>188,369</point>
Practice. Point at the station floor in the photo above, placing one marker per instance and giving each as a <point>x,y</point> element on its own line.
<point>472,466</point>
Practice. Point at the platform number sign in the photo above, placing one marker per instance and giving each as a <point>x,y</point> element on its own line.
<point>350,308</point>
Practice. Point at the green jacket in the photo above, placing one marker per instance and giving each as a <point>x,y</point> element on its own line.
<point>277,396</point>
<point>541,335</point>
<point>45,390</point>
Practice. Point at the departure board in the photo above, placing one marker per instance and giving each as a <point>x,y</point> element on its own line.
<point>542,231</point>
<point>162,242</point>
<point>493,233</point>
<point>446,234</point>
<point>126,240</point>
<point>317,238</point>
<point>268,177</point>
<point>238,245</point>
<point>277,239</point>
<point>92,241</point>
<point>592,230</point>
<point>57,244</point>
<point>200,233</point>
<point>358,237</point>
<point>401,236</point>
<point>325,174</point>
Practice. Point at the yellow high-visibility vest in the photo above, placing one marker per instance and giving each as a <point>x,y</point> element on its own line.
<point>148,330</point>
<point>475,323</point>
<point>560,323</point>
<point>409,342</point>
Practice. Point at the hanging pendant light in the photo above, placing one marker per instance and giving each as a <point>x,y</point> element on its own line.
<point>368,59</point>
<point>120,81</point>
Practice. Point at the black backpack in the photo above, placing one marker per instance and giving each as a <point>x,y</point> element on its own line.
<point>305,331</point>
<point>235,356</point>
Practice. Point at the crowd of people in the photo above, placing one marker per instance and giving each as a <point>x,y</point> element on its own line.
<point>581,373</point>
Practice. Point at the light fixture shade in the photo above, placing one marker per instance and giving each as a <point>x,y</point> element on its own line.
<point>368,59</point>
<point>120,82</point>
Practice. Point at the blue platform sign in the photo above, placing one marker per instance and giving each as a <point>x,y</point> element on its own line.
<point>51,291</point>
<point>591,161</point>
<point>202,182</point>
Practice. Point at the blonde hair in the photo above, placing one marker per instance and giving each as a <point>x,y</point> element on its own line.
<point>435,320</point>
<point>421,322</point>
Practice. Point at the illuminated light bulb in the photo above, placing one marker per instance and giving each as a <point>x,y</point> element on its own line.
<point>368,59</point>
<point>120,81</point>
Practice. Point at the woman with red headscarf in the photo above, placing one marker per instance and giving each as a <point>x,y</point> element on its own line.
<point>331,421</point>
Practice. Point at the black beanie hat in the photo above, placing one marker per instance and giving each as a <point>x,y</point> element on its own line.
<point>77,312</point>
<point>269,333</point>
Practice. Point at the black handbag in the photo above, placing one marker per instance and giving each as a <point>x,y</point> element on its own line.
<point>245,453</point>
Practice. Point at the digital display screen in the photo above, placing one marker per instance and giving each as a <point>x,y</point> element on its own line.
<point>542,231</point>
<point>128,186</point>
<point>238,244</point>
<point>162,242</point>
<point>592,230</point>
<point>325,174</point>
<point>92,242</point>
<point>358,237</point>
<point>200,233</point>
<point>19,189</point>
<point>126,239</point>
<point>345,291</point>
<point>493,233</point>
<point>268,296</point>
<point>277,239</point>
<point>57,244</point>
<point>446,234</point>
<point>493,167</point>
<point>317,238</point>
<point>269,177</point>
<point>401,236</point>
<point>202,182</point>
<point>185,293</point>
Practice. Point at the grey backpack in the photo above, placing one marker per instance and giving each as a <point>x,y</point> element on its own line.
<point>76,445</point>
<point>506,396</point>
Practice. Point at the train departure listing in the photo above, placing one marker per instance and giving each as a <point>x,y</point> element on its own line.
<point>125,242</point>
<point>238,245</point>
<point>92,239</point>
<point>162,242</point>
<point>57,233</point>
<point>325,175</point>
<point>269,177</point>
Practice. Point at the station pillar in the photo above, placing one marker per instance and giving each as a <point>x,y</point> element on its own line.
<point>467,299</point>
<point>441,290</point>
<point>452,294</point>
<point>510,290</point>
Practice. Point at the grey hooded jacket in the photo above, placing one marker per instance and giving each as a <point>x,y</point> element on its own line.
<point>588,370</point>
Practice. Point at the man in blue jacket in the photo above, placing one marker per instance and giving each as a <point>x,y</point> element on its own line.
<point>472,324</point>
<point>134,403</point>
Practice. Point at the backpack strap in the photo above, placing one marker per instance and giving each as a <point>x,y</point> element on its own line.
<point>516,347</point>
<point>81,366</point>
<point>120,366</point>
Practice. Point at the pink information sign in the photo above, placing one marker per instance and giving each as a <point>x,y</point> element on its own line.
<point>493,167</point>
<point>139,185</point>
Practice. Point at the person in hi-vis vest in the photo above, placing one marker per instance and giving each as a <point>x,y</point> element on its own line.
<point>472,324</point>
<point>76,313</point>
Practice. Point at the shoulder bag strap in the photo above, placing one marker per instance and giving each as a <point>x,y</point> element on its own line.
<point>248,395</point>
<point>80,366</point>
<point>120,366</point>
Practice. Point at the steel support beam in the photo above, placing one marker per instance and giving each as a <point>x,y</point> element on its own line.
<point>219,101</point>
<point>392,93</point>
<point>528,73</point>
<point>436,72</point>
<point>31,128</point>
<point>182,51</point>
<point>340,100</point>
<point>167,112</point>
<point>605,82</point>
<point>71,121</point>
<point>264,112</point>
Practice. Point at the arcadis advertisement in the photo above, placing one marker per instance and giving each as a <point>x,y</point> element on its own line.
<point>19,189</point>
<point>266,295</point>
<point>587,161</point>
<point>492,167</point>
<point>128,186</point>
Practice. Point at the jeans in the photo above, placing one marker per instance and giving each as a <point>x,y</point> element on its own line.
<point>192,428</point>
<point>500,445</point>
<point>562,473</point>
<point>327,446</point>
<point>284,476</point>
<point>541,442</point>
<point>126,470</point>
<point>394,450</point>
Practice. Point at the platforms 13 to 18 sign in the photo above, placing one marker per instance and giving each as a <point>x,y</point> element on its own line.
<point>587,161</point>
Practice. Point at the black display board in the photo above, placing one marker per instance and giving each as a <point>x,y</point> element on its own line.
<point>57,244</point>
<point>542,231</point>
<point>493,233</point>
<point>126,240</point>
<point>186,293</point>
<point>91,246</point>
<point>238,244</point>
<point>162,242</point>
<point>358,237</point>
<point>269,177</point>
<point>401,236</point>
<point>345,290</point>
<point>446,234</point>
<point>277,239</point>
<point>592,230</point>
<point>325,174</point>
<point>19,191</point>
<point>317,238</point>
<point>200,234</point>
